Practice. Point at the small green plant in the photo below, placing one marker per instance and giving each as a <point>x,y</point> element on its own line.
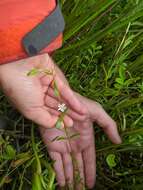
<point>36,71</point>
<point>37,176</point>
<point>110,159</point>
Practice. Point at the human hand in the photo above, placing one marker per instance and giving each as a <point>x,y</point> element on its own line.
<point>83,147</point>
<point>27,93</point>
<point>94,112</point>
<point>74,156</point>
<point>98,115</point>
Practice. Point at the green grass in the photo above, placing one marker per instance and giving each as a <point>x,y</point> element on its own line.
<point>102,57</point>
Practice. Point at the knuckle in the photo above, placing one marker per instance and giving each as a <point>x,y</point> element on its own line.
<point>114,124</point>
<point>30,114</point>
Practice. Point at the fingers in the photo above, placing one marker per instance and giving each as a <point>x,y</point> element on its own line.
<point>63,167</point>
<point>58,167</point>
<point>68,95</point>
<point>89,158</point>
<point>98,115</point>
<point>68,168</point>
<point>46,80</point>
<point>79,168</point>
<point>108,124</point>
<point>52,102</point>
<point>42,117</point>
<point>68,122</point>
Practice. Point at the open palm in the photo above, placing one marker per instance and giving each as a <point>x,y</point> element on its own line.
<point>82,147</point>
<point>78,151</point>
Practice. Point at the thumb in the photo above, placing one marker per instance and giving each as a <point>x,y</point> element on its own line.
<point>98,115</point>
<point>107,123</point>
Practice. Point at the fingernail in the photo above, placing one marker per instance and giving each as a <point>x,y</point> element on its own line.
<point>119,140</point>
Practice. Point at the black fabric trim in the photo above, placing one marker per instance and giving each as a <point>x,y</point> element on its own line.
<point>45,32</point>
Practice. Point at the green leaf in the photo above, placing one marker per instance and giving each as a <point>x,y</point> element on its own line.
<point>38,163</point>
<point>56,91</point>
<point>33,72</point>
<point>111,160</point>
<point>59,138</point>
<point>123,20</point>
<point>122,70</point>
<point>86,17</point>
<point>129,102</point>
<point>76,135</point>
<point>36,182</point>
<point>118,86</point>
<point>10,152</point>
<point>128,41</point>
<point>58,124</point>
<point>120,81</point>
<point>48,72</point>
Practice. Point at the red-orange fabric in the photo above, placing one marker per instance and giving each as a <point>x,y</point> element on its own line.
<point>17,18</point>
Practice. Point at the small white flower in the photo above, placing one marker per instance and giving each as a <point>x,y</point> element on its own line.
<point>62,107</point>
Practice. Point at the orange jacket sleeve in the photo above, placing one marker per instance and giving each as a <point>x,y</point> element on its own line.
<point>17,18</point>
